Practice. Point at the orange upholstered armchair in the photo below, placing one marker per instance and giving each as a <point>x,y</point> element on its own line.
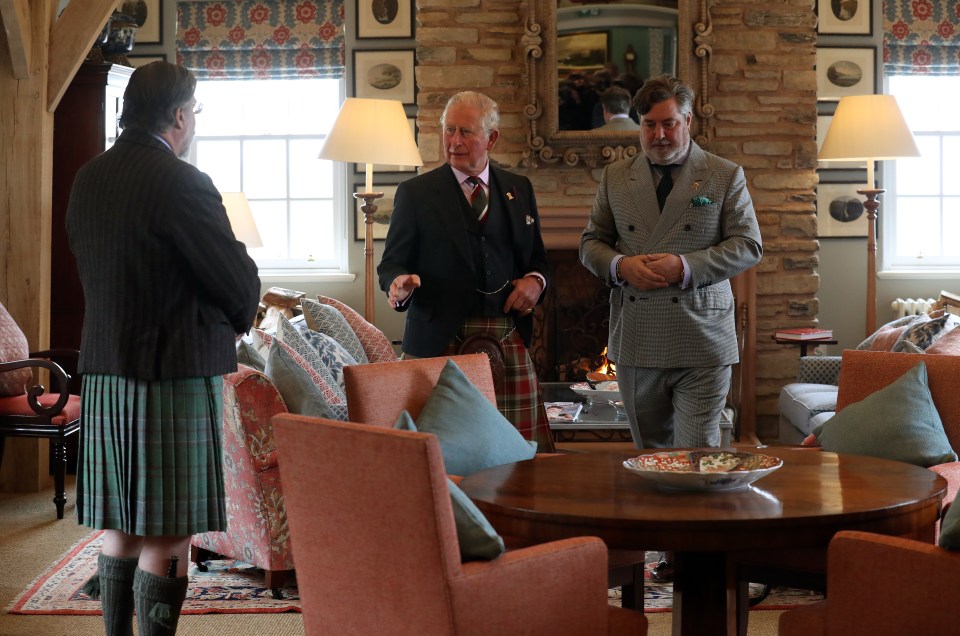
<point>371,516</point>
<point>881,586</point>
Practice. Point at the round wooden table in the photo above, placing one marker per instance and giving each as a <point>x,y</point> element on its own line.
<point>801,505</point>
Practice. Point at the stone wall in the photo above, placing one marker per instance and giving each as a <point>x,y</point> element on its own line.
<point>762,84</point>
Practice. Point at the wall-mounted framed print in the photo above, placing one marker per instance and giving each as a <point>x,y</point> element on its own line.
<point>386,74</point>
<point>361,168</point>
<point>136,61</point>
<point>823,124</point>
<point>381,218</point>
<point>845,17</point>
<point>582,52</point>
<point>379,19</point>
<point>843,71</point>
<point>840,210</point>
<point>151,29</point>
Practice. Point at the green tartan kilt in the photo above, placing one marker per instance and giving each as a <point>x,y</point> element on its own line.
<point>151,456</point>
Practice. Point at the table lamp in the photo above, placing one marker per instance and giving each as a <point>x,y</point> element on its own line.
<point>241,218</point>
<point>371,131</point>
<point>869,127</point>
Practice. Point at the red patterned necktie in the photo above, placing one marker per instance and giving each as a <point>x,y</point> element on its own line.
<point>478,198</point>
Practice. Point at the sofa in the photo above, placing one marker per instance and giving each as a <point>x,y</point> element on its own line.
<point>812,399</point>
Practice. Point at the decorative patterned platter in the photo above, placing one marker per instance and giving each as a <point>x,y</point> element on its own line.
<point>605,391</point>
<point>703,470</point>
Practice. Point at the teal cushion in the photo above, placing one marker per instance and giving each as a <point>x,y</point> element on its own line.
<point>897,422</point>
<point>478,540</point>
<point>473,434</point>
<point>299,392</point>
<point>950,528</point>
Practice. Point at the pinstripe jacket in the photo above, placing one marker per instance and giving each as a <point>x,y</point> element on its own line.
<point>709,219</point>
<point>166,284</point>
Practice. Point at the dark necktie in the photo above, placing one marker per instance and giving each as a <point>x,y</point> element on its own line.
<point>665,185</point>
<point>478,198</point>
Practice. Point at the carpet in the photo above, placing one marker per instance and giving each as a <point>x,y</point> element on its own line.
<point>227,587</point>
<point>234,587</point>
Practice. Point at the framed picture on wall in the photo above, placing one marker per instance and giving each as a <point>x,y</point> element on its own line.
<point>840,210</point>
<point>823,124</point>
<point>582,52</point>
<point>152,30</point>
<point>136,61</point>
<point>845,17</point>
<point>381,218</point>
<point>843,71</point>
<point>384,75</point>
<point>378,19</point>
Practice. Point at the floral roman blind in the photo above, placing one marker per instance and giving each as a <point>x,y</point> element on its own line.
<point>275,39</point>
<point>921,37</point>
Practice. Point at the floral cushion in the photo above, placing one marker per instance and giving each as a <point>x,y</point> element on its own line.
<point>332,354</point>
<point>328,319</point>
<point>291,336</point>
<point>330,393</point>
<point>926,333</point>
<point>13,346</point>
<point>374,343</point>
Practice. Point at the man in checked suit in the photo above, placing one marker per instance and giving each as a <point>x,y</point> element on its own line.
<point>672,330</point>
<point>464,256</point>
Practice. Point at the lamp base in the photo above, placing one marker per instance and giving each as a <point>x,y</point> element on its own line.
<point>368,208</point>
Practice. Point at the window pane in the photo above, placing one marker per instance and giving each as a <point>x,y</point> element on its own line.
<point>951,227</point>
<point>918,227</point>
<point>265,169</point>
<point>951,165</point>
<point>311,237</point>
<point>920,175</point>
<point>309,176</point>
<point>915,93</point>
<point>271,220</point>
<point>220,160</point>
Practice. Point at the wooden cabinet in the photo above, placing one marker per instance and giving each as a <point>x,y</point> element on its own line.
<point>85,124</point>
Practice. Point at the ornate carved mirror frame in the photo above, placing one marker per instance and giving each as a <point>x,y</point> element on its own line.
<point>550,145</point>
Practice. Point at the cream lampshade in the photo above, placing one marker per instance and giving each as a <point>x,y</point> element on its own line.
<point>871,128</point>
<point>371,131</point>
<point>241,218</point>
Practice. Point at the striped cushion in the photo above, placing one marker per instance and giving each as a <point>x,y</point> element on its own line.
<point>375,344</point>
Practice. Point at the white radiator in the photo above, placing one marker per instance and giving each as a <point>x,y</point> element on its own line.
<point>911,306</point>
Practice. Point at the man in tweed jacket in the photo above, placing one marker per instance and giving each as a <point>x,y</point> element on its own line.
<point>672,329</point>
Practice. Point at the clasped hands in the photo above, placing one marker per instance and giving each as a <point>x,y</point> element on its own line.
<point>523,298</point>
<point>652,271</point>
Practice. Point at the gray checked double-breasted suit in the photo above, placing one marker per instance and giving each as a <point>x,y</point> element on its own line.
<point>709,219</point>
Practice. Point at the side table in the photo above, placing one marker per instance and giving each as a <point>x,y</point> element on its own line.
<point>812,342</point>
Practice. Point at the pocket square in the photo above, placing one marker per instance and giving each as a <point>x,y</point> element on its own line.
<point>530,220</point>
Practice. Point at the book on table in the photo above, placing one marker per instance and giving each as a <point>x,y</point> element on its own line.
<point>563,411</point>
<point>804,333</point>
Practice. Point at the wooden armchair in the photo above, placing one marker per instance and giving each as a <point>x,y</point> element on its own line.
<point>34,412</point>
<point>881,586</point>
<point>371,517</point>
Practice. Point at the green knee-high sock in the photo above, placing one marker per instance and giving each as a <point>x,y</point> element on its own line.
<point>158,600</point>
<point>116,593</point>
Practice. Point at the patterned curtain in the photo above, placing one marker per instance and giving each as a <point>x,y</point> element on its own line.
<point>921,37</point>
<point>265,39</point>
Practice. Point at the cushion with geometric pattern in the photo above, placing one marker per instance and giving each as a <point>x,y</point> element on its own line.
<point>375,344</point>
<point>328,319</point>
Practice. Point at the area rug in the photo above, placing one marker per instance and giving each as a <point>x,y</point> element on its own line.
<point>227,587</point>
<point>235,587</point>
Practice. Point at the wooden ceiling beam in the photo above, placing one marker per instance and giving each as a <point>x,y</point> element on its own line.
<point>15,16</point>
<point>71,38</point>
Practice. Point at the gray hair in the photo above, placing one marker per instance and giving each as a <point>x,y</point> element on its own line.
<point>490,112</point>
<point>616,100</point>
<point>660,89</point>
<point>153,95</point>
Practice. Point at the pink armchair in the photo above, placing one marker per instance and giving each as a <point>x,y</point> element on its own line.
<point>257,520</point>
<point>881,586</point>
<point>381,526</point>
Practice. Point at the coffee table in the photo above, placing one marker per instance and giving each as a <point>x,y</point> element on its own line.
<point>802,505</point>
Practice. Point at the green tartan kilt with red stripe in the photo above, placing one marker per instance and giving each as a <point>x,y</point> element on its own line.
<point>151,455</point>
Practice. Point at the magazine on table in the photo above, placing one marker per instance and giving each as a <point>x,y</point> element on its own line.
<point>563,411</point>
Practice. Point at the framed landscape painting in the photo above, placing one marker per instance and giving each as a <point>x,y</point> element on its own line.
<point>581,52</point>
<point>845,17</point>
<point>840,210</point>
<point>378,19</point>
<point>843,71</point>
<point>384,75</point>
